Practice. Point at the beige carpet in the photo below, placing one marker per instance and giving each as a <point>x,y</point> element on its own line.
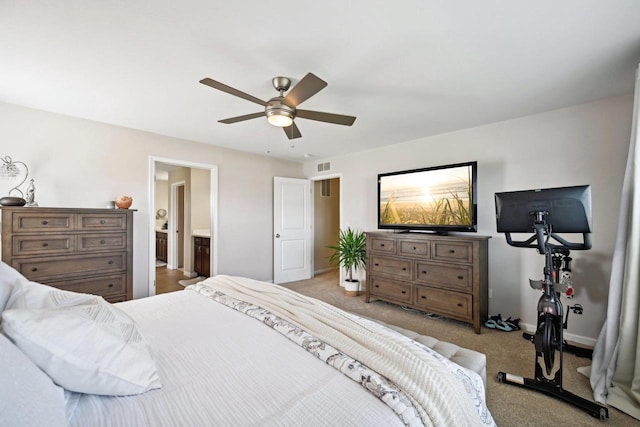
<point>506,351</point>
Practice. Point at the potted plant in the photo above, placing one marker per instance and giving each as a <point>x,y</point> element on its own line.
<point>350,253</point>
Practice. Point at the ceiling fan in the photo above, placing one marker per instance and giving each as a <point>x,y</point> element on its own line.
<point>282,110</point>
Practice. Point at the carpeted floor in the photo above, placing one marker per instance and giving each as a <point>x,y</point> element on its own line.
<point>506,351</point>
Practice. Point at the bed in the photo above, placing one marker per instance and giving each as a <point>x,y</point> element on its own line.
<point>226,351</point>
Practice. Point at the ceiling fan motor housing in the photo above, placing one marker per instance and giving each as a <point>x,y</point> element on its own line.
<point>282,84</point>
<point>276,107</point>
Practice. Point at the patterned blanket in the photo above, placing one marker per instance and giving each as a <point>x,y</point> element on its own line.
<point>422,387</point>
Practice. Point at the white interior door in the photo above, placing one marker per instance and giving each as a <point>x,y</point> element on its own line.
<point>291,229</point>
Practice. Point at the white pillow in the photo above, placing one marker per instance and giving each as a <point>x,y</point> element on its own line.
<point>28,397</point>
<point>82,342</point>
<point>8,277</point>
<point>33,295</point>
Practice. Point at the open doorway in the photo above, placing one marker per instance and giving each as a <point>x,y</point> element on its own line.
<point>327,221</point>
<point>183,210</point>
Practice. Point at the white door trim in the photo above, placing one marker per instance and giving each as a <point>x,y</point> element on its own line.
<point>172,242</point>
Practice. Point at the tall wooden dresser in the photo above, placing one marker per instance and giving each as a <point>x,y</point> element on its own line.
<point>444,275</point>
<point>80,250</point>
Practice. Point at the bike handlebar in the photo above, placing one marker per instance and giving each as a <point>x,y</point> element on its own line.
<point>537,241</point>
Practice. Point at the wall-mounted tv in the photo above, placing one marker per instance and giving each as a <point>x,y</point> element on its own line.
<point>438,199</point>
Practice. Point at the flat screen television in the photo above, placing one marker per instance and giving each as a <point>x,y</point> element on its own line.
<point>438,199</point>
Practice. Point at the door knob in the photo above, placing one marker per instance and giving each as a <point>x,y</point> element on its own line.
<point>277,236</point>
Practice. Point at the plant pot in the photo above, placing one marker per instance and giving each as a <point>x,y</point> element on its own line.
<point>351,288</point>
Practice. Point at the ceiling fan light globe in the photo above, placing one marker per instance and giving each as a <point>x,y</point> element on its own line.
<point>280,119</point>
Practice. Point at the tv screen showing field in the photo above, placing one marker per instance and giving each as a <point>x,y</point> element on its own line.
<point>432,197</point>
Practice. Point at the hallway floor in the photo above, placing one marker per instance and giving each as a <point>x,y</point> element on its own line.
<point>167,280</point>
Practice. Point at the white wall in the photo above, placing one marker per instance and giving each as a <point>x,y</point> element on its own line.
<point>585,144</point>
<point>200,199</point>
<point>162,200</point>
<point>81,163</point>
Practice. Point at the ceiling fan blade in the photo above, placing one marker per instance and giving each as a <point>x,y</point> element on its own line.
<point>228,89</point>
<point>305,89</point>
<point>292,131</point>
<point>337,119</point>
<point>241,118</point>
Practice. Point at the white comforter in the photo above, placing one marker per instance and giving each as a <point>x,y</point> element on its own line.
<point>221,367</point>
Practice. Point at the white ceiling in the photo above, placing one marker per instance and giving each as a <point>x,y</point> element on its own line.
<point>407,69</point>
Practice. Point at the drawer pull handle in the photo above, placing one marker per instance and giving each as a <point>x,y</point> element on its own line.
<point>423,297</point>
<point>377,286</point>
<point>102,221</point>
<point>424,271</point>
<point>45,244</point>
<point>451,251</point>
<point>382,245</point>
<point>414,248</point>
<point>110,262</point>
<point>404,292</point>
<point>111,285</point>
<point>102,242</point>
<point>34,269</point>
<point>45,222</point>
<point>460,304</point>
<point>376,264</point>
<point>460,277</point>
<point>404,268</point>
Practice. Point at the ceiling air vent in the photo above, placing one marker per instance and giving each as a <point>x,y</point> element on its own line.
<point>322,167</point>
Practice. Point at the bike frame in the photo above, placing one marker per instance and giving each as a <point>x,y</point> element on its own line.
<point>548,339</point>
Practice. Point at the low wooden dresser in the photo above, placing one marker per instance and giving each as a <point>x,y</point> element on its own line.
<point>444,275</point>
<point>80,250</point>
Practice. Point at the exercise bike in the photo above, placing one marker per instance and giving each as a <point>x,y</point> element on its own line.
<point>548,338</point>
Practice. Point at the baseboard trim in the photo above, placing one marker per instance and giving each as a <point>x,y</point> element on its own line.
<point>323,270</point>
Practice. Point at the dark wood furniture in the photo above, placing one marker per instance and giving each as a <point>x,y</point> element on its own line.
<point>444,275</point>
<point>161,246</point>
<point>80,250</point>
<point>201,255</point>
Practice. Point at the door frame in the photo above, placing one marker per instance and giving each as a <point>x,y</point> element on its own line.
<point>213,200</point>
<point>173,254</point>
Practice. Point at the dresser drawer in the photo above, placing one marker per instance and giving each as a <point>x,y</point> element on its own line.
<point>37,222</point>
<point>104,286</point>
<point>451,276</point>
<point>383,245</point>
<point>24,244</point>
<point>102,242</point>
<point>454,304</point>
<point>391,289</point>
<point>111,221</point>
<point>420,249</point>
<point>397,267</point>
<point>40,268</point>
<point>452,251</point>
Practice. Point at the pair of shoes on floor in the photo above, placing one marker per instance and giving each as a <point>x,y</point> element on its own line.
<point>496,322</point>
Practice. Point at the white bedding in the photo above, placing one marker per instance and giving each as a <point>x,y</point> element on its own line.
<point>418,383</point>
<point>220,367</point>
